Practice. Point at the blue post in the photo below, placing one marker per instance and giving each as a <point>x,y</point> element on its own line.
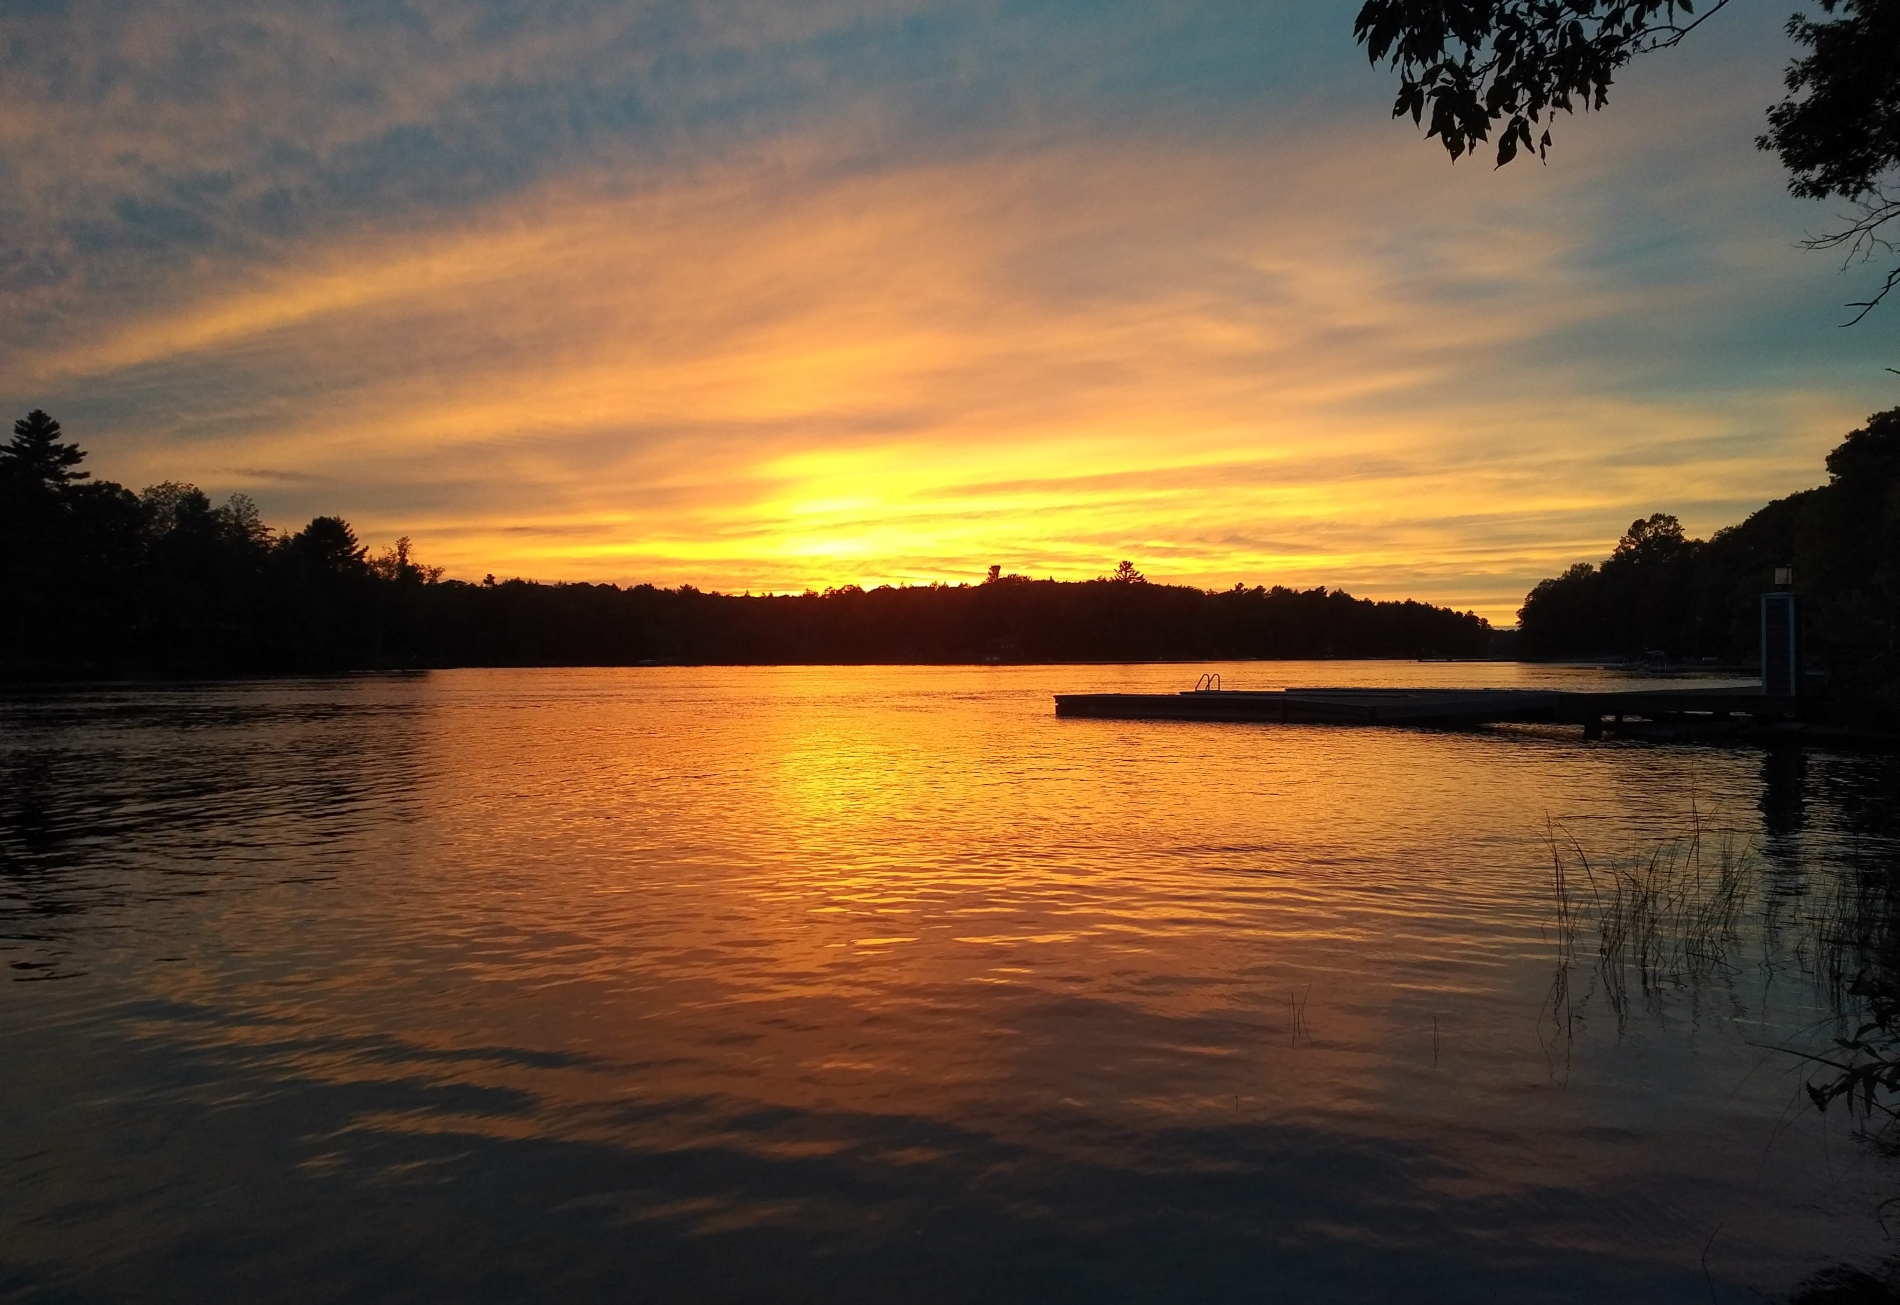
<point>1781,660</point>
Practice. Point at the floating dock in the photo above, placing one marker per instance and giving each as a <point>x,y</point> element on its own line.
<point>1443,708</point>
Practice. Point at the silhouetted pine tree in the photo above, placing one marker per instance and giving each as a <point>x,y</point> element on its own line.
<point>36,453</point>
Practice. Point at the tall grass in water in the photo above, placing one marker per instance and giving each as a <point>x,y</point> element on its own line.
<point>1668,922</point>
<point>1661,923</point>
<point>1671,919</point>
<point>1850,943</point>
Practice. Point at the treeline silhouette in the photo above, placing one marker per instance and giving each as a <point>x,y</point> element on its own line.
<point>99,581</point>
<point>1661,592</point>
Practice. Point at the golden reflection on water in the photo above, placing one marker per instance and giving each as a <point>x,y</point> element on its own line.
<point>907,917</point>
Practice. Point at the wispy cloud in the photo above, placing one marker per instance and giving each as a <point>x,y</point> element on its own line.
<point>761,296</point>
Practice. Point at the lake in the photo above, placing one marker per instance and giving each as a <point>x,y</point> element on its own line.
<point>882,983</point>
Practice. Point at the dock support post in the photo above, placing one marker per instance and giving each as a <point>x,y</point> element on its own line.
<point>1593,728</point>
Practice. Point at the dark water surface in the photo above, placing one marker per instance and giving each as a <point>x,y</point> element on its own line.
<point>855,984</point>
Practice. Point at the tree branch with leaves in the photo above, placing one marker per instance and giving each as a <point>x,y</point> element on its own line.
<point>1838,132</point>
<point>1470,70</point>
<point>1476,63</point>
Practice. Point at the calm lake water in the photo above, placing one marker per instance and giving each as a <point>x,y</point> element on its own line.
<point>868,984</point>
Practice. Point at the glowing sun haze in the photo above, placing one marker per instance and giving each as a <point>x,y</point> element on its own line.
<point>768,296</point>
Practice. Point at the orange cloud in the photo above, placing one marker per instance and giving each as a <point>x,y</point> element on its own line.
<point>782,371</point>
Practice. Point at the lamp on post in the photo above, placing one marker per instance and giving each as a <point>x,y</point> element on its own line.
<point>1781,659</point>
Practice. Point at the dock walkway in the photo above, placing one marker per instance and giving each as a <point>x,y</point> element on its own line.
<point>1433,707</point>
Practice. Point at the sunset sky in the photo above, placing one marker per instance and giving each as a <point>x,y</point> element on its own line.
<point>762,295</point>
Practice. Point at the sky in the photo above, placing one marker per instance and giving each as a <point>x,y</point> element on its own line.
<point>757,295</point>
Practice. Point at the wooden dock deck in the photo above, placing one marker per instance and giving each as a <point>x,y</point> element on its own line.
<point>1443,708</point>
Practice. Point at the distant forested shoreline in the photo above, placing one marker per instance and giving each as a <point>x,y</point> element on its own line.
<point>1661,592</point>
<point>98,581</point>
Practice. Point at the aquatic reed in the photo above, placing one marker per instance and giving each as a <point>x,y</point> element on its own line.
<point>1663,921</point>
<point>1668,921</point>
